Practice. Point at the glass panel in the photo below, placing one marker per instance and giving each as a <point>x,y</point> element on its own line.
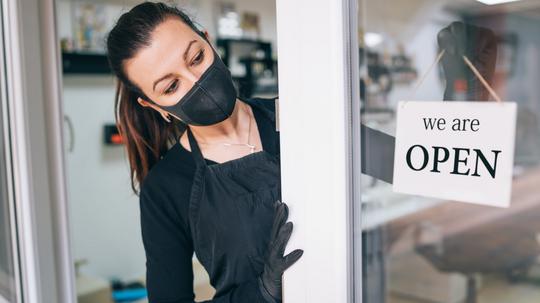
<point>421,249</point>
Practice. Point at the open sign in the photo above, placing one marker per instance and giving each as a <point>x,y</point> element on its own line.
<point>462,162</point>
<point>455,150</point>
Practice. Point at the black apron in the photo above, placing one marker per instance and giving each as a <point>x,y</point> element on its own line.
<point>231,211</point>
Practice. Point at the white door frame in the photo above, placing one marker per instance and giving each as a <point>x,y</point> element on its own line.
<point>317,86</point>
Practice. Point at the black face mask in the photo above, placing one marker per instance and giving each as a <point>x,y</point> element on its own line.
<point>211,99</point>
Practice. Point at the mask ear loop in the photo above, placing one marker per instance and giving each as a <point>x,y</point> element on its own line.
<point>469,64</point>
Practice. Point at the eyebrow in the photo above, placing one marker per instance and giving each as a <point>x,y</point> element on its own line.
<point>184,56</point>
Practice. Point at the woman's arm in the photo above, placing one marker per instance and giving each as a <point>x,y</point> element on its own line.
<point>169,254</point>
<point>377,154</point>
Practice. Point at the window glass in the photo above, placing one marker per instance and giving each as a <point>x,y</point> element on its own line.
<point>423,249</point>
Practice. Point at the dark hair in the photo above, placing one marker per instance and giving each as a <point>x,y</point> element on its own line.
<point>146,135</point>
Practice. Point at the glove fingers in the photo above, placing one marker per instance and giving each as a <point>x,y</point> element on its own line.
<point>292,257</point>
<point>279,220</point>
<point>283,238</point>
<point>286,209</point>
<point>282,219</point>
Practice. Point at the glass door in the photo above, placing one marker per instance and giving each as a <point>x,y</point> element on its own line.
<point>424,249</point>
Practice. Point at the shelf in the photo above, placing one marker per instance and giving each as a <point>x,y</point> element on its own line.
<point>85,63</point>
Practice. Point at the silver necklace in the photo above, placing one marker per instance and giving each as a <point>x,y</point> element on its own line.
<point>228,144</point>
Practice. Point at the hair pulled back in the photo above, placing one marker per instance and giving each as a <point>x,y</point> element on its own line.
<point>144,132</point>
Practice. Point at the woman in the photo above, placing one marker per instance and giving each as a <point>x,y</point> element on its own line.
<point>216,190</point>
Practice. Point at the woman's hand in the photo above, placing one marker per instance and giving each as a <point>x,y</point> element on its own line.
<point>276,263</point>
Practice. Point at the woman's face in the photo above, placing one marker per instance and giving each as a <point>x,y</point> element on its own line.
<point>167,69</point>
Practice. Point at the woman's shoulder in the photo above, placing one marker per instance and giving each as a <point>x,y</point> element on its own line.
<point>170,178</point>
<point>167,187</point>
<point>268,103</point>
<point>269,128</point>
<point>268,106</point>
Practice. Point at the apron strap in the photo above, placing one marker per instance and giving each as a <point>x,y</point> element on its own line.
<point>197,154</point>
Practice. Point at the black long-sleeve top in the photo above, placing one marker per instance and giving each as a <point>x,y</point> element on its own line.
<point>164,200</point>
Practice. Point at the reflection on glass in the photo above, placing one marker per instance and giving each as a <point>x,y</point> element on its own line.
<point>419,249</point>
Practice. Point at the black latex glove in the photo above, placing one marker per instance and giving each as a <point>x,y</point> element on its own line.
<point>276,263</point>
<point>479,45</point>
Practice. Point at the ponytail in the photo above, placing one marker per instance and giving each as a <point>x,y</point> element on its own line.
<point>146,135</point>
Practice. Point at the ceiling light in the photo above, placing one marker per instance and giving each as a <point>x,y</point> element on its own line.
<point>373,39</point>
<point>493,2</point>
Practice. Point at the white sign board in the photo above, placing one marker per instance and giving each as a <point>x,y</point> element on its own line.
<point>461,151</point>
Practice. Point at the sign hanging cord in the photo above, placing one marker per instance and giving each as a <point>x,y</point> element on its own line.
<point>469,64</point>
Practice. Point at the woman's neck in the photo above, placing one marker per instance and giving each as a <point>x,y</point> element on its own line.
<point>232,129</point>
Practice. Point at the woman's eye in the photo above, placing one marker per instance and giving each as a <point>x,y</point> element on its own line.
<point>198,58</point>
<point>172,87</point>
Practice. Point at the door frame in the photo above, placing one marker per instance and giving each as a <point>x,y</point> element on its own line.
<point>33,85</point>
<point>7,178</point>
<point>318,94</point>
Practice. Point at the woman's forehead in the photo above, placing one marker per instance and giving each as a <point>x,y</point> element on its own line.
<point>168,42</point>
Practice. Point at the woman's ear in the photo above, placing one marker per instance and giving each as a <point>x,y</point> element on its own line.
<point>162,112</point>
<point>206,35</point>
<point>143,102</point>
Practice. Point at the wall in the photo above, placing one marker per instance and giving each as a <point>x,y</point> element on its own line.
<point>104,212</point>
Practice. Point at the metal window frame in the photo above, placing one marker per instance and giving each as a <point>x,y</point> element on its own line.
<point>6,154</point>
<point>33,82</point>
